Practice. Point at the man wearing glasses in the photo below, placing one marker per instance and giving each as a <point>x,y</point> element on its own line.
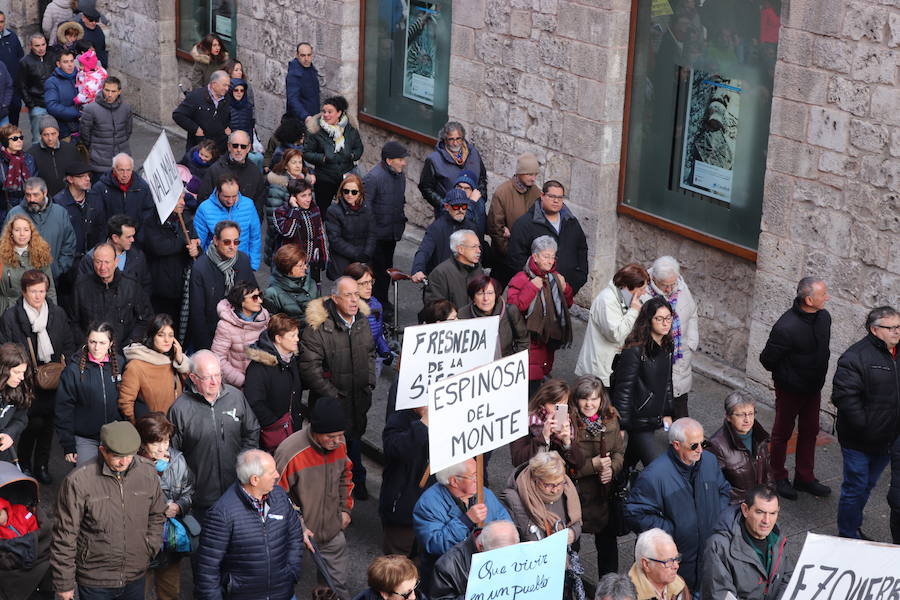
<point>227,202</point>
<point>550,216</point>
<point>250,179</point>
<point>797,353</point>
<point>205,113</point>
<point>655,569</point>
<point>435,246</point>
<point>90,19</point>
<point>450,279</point>
<point>866,392</point>
<point>452,155</point>
<point>682,492</point>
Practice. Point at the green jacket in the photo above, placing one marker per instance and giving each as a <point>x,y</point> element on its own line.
<point>289,295</point>
<point>11,282</point>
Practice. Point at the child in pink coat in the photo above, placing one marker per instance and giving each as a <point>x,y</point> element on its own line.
<point>90,78</point>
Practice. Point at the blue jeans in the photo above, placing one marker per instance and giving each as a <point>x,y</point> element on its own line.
<point>34,115</point>
<point>132,591</point>
<point>861,473</point>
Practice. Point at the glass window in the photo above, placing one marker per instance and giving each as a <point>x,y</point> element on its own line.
<point>407,63</point>
<point>698,128</point>
<point>196,18</point>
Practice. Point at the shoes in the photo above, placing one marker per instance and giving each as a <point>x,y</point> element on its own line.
<point>812,487</point>
<point>785,490</point>
<point>43,475</point>
<point>360,492</point>
<point>862,536</point>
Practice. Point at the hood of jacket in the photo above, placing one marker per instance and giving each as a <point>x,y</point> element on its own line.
<point>281,179</point>
<point>295,68</point>
<point>101,101</point>
<point>317,312</point>
<point>203,58</point>
<point>313,127</point>
<point>227,314</point>
<point>138,351</point>
<point>294,285</point>
<point>538,215</point>
<point>264,351</point>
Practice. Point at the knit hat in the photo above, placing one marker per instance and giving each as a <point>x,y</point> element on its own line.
<point>456,196</point>
<point>120,437</point>
<point>327,416</point>
<point>88,60</point>
<point>467,177</point>
<point>48,121</point>
<point>527,163</point>
<point>393,149</point>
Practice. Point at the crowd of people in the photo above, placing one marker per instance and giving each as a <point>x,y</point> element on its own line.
<point>211,416</point>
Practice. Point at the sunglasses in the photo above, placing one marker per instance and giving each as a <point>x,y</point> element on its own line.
<point>234,242</point>
<point>704,444</point>
<point>241,146</point>
<point>16,138</point>
<point>255,297</point>
<point>459,206</point>
<point>351,192</point>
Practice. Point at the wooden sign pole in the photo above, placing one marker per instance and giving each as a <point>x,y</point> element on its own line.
<point>479,463</point>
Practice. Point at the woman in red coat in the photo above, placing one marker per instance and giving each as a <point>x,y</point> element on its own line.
<point>543,297</point>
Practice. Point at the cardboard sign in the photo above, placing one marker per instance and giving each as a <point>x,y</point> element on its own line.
<point>161,174</point>
<point>527,571</point>
<point>477,411</point>
<point>433,352</point>
<point>844,569</point>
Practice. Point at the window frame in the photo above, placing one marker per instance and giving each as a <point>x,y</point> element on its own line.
<point>185,54</point>
<point>644,216</point>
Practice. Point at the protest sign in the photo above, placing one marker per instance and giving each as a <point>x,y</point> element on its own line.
<point>161,174</point>
<point>844,569</point>
<point>528,571</point>
<point>433,352</point>
<point>477,411</point>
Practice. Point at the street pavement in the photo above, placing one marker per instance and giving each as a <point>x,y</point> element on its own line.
<point>706,405</point>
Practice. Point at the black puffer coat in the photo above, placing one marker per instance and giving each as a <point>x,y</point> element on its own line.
<point>643,387</point>
<point>386,195</point>
<point>197,111</point>
<point>866,392</point>
<point>53,162</point>
<point>405,441</point>
<point>16,328</point>
<point>337,363</point>
<point>106,130</point>
<point>351,236</point>
<point>318,150</point>
<point>797,350</point>
<point>271,385</point>
<point>122,303</point>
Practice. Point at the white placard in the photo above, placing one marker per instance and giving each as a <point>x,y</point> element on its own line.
<point>527,571</point>
<point>477,411</point>
<point>844,569</point>
<point>161,174</point>
<point>433,352</point>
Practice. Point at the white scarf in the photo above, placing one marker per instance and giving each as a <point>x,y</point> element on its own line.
<point>38,320</point>
<point>336,132</point>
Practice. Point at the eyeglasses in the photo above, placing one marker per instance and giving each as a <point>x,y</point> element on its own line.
<point>208,377</point>
<point>241,146</point>
<point>409,593</point>
<point>234,242</point>
<point>555,197</point>
<point>486,292</point>
<point>704,444</point>
<point>454,139</point>
<point>351,192</point>
<point>16,138</point>
<point>459,206</point>
<point>552,487</point>
<point>663,319</point>
<point>669,563</point>
<point>255,297</point>
<point>365,282</point>
<point>467,477</point>
<point>891,328</point>
<point>744,415</point>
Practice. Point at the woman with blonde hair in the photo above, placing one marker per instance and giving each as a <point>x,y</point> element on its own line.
<point>21,249</point>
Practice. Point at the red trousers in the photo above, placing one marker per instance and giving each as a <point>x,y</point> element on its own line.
<point>804,409</point>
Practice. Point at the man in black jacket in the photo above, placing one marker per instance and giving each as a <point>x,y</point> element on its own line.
<point>451,572</point>
<point>109,295</point>
<point>435,245</point>
<point>52,155</point>
<point>550,216</point>
<point>866,392</point>
<point>205,113</point>
<point>124,192</point>
<point>36,67</point>
<point>797,355</point>
<point>251,182</point>
<point>122,230</point>
<point>212,276</point>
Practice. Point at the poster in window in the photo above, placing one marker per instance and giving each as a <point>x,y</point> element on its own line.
<point>712,116</point>
<point>421,50</point>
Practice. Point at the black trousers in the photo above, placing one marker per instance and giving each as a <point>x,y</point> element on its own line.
<point>381,262</point>
<point>325,191</point>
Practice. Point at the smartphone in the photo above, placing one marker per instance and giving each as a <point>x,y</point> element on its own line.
<point>627,297</point>
<point>562,416</point>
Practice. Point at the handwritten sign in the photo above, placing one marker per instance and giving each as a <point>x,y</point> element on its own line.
<point>844,569</point>
<point>161,173</point>
<point>433,352</point>
<point>477,411</point>
<point>527,571</point>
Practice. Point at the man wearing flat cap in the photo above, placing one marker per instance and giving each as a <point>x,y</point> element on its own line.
<point>385,187</point>
<point>317,475</point>
<point>109,524</point>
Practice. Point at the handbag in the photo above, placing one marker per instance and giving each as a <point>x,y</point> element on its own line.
<point>277,432</point>
<point>46,376</point>
<point>618,497</point>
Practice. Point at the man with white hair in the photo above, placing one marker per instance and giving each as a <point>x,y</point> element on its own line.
<point>205,113</point>
<point>666,281</point>
<point>614,586</point>
<point>449,511</point>
<point>450,279</point>
<point>251,536</point>
<point>124,192</point>
<point>451,572</point>
<point>655,569</point>
<point>681,492</point>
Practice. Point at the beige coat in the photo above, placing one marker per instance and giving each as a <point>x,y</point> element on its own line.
<point>507,205</point>
<point>151,376</point>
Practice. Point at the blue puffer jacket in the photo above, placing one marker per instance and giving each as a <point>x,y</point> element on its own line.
<point>376,323</point>
<point>242,555</point>
<point>59,96</point>
<point>683,501</point>
<point>211,211</point>
<point>386,196</point>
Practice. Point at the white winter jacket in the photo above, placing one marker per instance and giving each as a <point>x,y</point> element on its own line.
<point>686,309</point>
<point>56,13</point>
<point>610,323</point>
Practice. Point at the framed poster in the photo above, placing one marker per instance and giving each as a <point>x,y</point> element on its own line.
<point>420,55</point>
<point>710,134</point>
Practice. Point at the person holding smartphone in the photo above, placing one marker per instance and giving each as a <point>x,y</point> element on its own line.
<point>551,426</point>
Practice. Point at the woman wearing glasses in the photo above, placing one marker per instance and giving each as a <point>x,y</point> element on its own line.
<point>485,301</point>
<point>391,577</point>
<point>242,319</point>
<point>350,228</point>
<point>642,382</point>
<point>365,278</point>
<point>16,166</point>
<point>742,446</point>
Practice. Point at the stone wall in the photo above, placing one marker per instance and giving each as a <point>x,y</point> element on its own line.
<point>832,196</point>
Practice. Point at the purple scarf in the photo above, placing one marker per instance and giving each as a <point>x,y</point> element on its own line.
<point>676,322</point>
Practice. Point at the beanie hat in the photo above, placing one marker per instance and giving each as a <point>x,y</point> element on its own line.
<point>467,177</point>
<point>527,163</point>
<point>48,121</point>
<point>327,416</point>
<point>393,149</point>
<point>456,196</point>
<point>88,60</point>
<point>120,437</point>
